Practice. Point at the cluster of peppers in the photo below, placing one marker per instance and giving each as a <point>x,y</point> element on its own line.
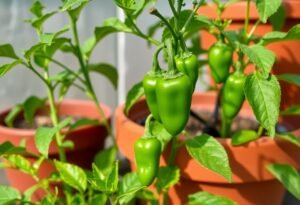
<point>220,60</point>
<point>168,95</point>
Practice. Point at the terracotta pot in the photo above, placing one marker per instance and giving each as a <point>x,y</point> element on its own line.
<point>252,183</point>
<point>286,52</point>
<point>88,140</point>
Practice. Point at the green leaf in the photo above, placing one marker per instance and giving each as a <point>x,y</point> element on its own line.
<point>261,57</point>
<point>30,106</point>
<point>83,122</point>
<point>72,175</point>
<point>44,136</point>
<point>290,137</point>
<point>7,67</point>
<point>106,70</point>
<point>293,110</point>
<point>29,52</point>
<point>198,22</point>
<point>243,137</point>
<point>264,98</point>
<point>133,95</point>
<point>166,178</point>
<point>48,38</point>
<point>107,183</point>
<point>159,131</point>
<point>232,37</point>
<point>205,198</point>
<point>29,192</point>
<point>267,8</point>
<point>6,50</point>
<point>38,22</point>
<point>292,34</point>
<point>210,153</point>
<point>8,195</point>
<point>290,78</point>
<point>72,4</point>
<point>288,176</point>
<point>111,25</point>
<point>133,8</point>
<point>99,199</point>
<point>37,8</point>
<point>148,195</point>
<point>128,187</point>
<point>278,18</point>
<point>20,163</point>
<point>104,160</point>
<point>7,148</point>
<point>75,13</point>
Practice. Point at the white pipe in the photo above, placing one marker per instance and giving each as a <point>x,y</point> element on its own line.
<point>121,61</point>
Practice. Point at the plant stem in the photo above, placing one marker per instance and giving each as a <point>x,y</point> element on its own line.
<point>190,17</point>
<point>179,6</point>
<point>173,10</point>
<point>54,119</point>
<point>253,29</point>
<point>139,33</point>
<point>247,18</point>
<point>165,199</point>
<point>225,127</point>
<point>88,83</point>
<point>155,12</point>
<point>173,151</point>
<point>260,131</point>
<point>155,65</point>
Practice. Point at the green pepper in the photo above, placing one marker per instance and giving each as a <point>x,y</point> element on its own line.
<point>147,152</point>
<point>188,64</point>
<point>219,60</point>
<point>232,99</point>
<point>149,84</point>
<point>174,95</point>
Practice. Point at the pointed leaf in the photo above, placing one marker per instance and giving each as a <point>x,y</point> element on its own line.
<point>267,8</point>
<point>278,18</point>
<point>290,137</point>
<point>37,8</point>
<point>20,163</point>
<point>8,194</point>
<point>72,4</point>
<point>6,50</point>
<point>292,34</point>
<point>288,176</point>
<point>106,70</point>
<point>7,148</point>
<point>290,78</point>
<point>104,160</point>
<point>293,110</point>
<point>133,95</point>
<point>72,175</point>
<point>166,178</point>
<point>44,136</point>
<point>244,136</point>
<point>264,98</point>
<point>7,67</point>
<point>31,105</point>
<point>205,198</point>
<point>210,153</point>
<point>261,57</point>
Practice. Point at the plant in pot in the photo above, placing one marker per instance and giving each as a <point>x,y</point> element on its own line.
<point>48,142</point>
<point>240,162</point>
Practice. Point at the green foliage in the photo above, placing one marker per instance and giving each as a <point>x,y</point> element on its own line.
<point>243,137</point>
<point>289,177</point>
<point>166,178</point>
<point>205,198</point>
<point>133,95</point>
<point>264,98</point>
<point>210,153</point>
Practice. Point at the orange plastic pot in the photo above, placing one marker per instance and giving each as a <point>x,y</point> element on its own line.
<point>88,140</point>
<point>252,183</point>
<point>286,52</point>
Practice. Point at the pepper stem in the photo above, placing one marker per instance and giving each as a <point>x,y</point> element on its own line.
<point>171,63</point>
<point>155,64</point>
<point>225,127</point>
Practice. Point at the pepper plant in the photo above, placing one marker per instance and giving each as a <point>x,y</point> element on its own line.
<point>168,91</point>
<point>69,184</point>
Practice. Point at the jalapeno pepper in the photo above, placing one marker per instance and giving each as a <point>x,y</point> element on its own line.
<point>147,152</point>
<point>174,101</point>
<point>232,99</point>
<point>219,60</point>
<point>188,64</point>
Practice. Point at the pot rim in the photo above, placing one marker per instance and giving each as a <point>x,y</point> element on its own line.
<point>71,102</point>
<point>236,10</point>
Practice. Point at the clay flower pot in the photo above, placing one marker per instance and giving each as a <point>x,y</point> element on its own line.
<point>252,183</point>
<point>288,60</point>
<point>88,140</point>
